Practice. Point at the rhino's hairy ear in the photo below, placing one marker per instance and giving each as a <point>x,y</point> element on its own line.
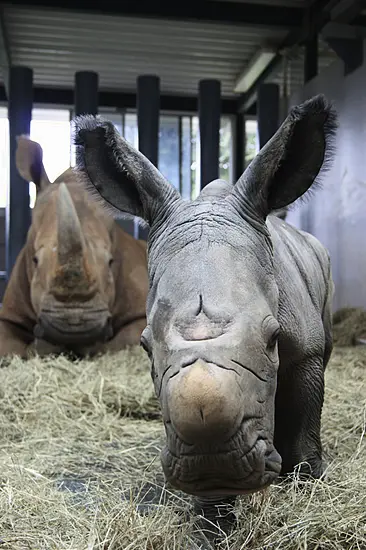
<point>292,160</point>
<point>29,162</point>
<point>113,169</point>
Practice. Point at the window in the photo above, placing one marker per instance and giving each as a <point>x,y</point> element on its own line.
<point>225,153</point>
<point>251,140</point>
<point>4,156</point>
<point>51,129</point>
<point>169,149</point>
<point>179,146</point>
<point>130,130</point>
<point>226,145</point>
<point>186,157</point>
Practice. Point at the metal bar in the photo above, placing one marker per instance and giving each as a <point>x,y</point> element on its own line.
<point>5,55</point>
<point>191,152</point>
<point>311,59</point>
<point>18,213</point>
<point>86,93</point>
<point>122,100</point>
<point>201,10</point>
<point>180,153</point>
<point>268,112</point>
<point>209,112</point>
<point>148,110</point>
<point>239,146</point>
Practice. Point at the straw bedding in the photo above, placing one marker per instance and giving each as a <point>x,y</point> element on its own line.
<point>349,325</point>
<point>80,470</point>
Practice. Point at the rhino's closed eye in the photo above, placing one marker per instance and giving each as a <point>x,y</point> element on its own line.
<point>271,344</point>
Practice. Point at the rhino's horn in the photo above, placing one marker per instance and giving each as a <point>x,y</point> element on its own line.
<point>70,239</point>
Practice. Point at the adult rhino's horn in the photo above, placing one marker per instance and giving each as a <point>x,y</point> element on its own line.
<point>70,239</point>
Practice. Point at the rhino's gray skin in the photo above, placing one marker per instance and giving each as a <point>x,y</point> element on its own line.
<point>239,306</point>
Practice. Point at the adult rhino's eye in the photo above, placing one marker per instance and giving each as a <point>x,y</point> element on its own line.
<point>35,260</point>
<point>273,340</point>
<point>111,261</point>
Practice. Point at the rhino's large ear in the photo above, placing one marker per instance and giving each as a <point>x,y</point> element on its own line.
<point>124,177</point>
<point>290,163</point>
<point>29,162</point>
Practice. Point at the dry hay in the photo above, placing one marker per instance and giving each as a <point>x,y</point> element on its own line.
<point>349,325</point>
<point>78,440</point>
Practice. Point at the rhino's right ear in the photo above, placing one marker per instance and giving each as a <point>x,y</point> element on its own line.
<point>120,174</point>
<point>29,162</point>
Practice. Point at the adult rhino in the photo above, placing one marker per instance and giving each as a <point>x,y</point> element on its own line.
<point>80,282</point>
<point>239,306</point>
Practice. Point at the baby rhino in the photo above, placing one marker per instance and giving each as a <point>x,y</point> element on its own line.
<point>80,282</point>
<point>239,306</point>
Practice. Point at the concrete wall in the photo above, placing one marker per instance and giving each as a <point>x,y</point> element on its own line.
<point>336,213</point>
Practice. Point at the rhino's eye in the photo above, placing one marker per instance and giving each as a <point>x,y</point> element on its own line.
<point>111,261</point>
<point>35,260</point>
<point>273,340</point>
<point>144,342</point>
<point>145,346</point>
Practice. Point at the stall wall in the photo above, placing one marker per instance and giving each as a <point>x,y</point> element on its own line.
<point>336,213</point>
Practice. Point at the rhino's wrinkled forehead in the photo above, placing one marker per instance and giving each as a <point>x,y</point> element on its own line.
<point>208,222</point>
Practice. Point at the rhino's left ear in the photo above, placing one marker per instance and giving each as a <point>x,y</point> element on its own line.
<point>289,164</point>
<point>126,180</point>
<point>29,162</point>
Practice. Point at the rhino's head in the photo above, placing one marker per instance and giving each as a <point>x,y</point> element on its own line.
<point>213,301</point>
<point>69,257</point>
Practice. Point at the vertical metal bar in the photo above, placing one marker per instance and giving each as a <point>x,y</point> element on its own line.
<point>239,146</point>
<point>209,112</point>
<point>123,124</point>
<point>86,93</point>
<point>268,112</point>
<point>148,111</point>
<point>191,150</point>
<point>180,153</point>
<point>311,59</point>
<point>18,212</point>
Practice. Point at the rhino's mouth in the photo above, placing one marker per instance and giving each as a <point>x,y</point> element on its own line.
<point>68,332</point>
<point>230,473</point>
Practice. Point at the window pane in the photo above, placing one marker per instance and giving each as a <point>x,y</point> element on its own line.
<point>130,131</point>
<point>4,156</point>
<point>196,155</point>
<point>251,140</point>
<point>186,158</point>
<point>225,159</point>
<point>51,129</point>
<point>169,149</point>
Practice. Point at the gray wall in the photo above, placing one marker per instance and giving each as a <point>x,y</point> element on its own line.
<point>336,214</point>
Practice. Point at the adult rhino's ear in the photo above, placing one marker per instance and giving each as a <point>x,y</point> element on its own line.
<point>120,174</point>
<point>290,163</point>
<point>29,162</point>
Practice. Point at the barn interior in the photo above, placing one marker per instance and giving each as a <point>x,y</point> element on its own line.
<point>199,89</point>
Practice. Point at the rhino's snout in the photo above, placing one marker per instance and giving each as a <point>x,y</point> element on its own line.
<point>204,404</point>
<point>74,327</point>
